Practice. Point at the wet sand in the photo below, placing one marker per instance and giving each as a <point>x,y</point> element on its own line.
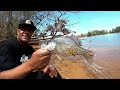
<point>109,59</point>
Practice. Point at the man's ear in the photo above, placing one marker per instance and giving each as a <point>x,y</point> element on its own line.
<point>17,31</point>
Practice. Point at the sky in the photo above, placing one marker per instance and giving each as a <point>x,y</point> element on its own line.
<point>93,20</point>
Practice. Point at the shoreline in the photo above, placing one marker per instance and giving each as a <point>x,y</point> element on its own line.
<point>105,57</point>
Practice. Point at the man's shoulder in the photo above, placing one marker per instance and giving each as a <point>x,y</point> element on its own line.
<point>9,42</point>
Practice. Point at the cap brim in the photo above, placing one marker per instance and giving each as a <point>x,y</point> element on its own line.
<point>28,25</point>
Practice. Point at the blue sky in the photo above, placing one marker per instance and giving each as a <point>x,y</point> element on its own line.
<point>93,20</point>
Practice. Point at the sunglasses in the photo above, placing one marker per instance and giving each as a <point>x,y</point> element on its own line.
<point>27,29</point>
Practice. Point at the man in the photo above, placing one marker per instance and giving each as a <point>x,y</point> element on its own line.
<point>36,67</point>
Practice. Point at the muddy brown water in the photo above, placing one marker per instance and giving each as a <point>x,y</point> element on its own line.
<point>109,59</point>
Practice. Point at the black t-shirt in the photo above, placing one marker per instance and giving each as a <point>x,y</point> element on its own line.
<point>11,52</point>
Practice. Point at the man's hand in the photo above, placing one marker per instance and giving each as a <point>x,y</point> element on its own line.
<point>39,59</point>
<point>49,69</point>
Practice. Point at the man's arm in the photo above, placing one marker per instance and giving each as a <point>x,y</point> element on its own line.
<point>38,61</point>
<point>16,73</point>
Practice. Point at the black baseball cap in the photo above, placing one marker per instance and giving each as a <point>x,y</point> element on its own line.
<point>27,22</point>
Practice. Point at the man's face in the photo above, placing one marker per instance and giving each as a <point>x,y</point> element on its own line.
<point>24,34</point>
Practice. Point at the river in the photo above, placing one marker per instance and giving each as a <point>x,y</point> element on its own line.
<point>107,52</point>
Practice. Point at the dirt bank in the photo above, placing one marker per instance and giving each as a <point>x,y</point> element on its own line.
<point>73,68</point>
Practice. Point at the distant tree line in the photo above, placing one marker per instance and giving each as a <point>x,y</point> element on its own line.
<point>115,30</point>
<point>101,32</point>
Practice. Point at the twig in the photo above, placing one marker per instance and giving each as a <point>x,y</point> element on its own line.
<point>58,57</point>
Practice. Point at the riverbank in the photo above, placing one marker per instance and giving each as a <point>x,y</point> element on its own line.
<point>75,66</point>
